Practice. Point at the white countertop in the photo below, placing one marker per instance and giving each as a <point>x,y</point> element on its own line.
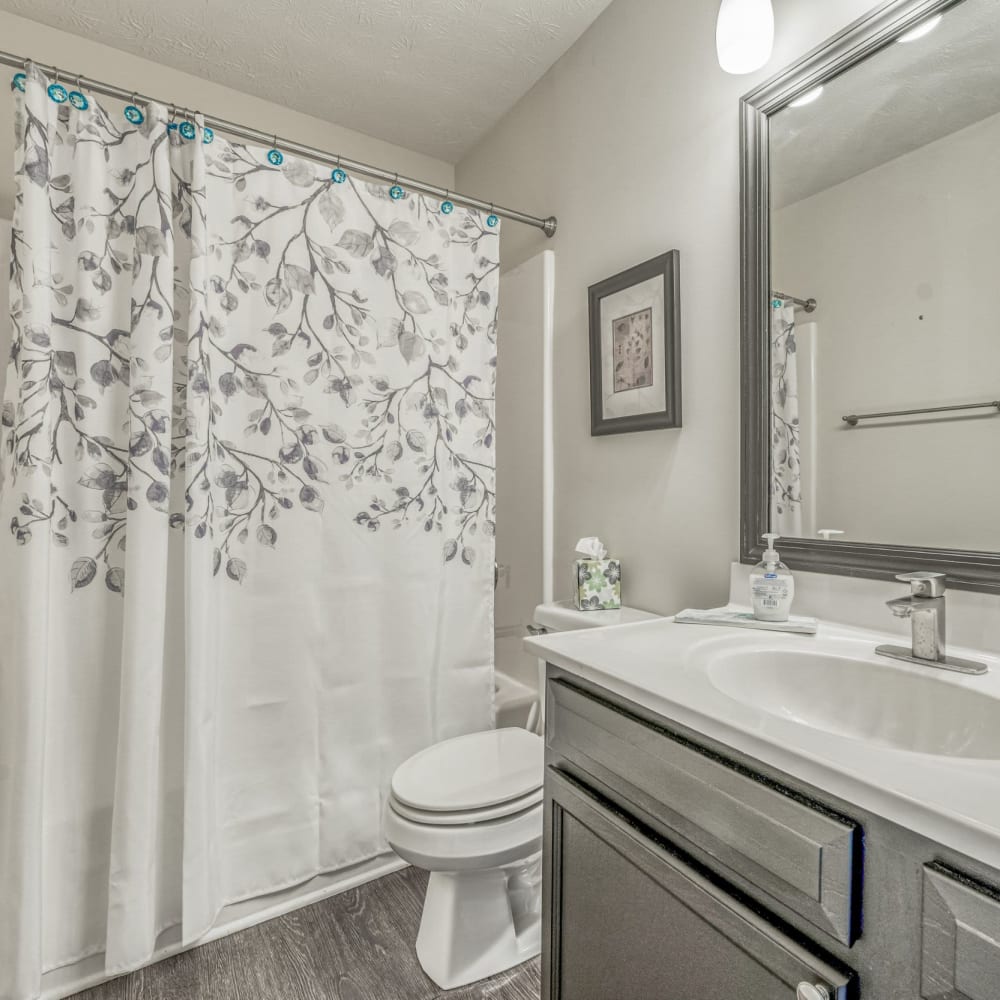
<point>666,668</point>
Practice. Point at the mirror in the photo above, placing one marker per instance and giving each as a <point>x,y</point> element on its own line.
<point>871,349</point>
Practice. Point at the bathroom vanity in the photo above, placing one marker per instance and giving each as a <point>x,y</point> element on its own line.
<point>707,837</point>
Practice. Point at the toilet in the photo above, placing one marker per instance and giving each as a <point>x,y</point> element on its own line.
<point>469,811</point>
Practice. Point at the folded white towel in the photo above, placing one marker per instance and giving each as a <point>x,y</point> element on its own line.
<point>738,618</point>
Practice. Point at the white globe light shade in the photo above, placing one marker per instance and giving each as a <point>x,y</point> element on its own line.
<point>744,35</point>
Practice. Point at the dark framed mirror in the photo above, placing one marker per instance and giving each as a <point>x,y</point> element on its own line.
<point>870,348</point>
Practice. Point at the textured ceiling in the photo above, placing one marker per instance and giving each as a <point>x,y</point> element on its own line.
<point>430,75</point>
<point>902,98</point>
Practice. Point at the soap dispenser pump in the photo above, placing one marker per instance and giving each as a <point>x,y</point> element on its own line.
<point>771,586</point>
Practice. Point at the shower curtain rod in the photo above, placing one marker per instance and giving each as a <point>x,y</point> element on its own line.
<point>809,305</point>
<point>247,132</point>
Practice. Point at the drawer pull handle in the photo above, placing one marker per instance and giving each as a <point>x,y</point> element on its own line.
<point>812,991</point>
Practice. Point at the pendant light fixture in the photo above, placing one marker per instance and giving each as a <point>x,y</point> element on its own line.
<point>744,35</point>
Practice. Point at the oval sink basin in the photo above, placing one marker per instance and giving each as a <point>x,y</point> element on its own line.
<point>863,700</point>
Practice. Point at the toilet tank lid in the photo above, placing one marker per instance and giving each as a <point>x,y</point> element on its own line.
<point>563,616</point>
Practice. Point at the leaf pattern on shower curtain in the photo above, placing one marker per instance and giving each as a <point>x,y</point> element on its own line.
<point>225,342</point>
<point>91,303</point>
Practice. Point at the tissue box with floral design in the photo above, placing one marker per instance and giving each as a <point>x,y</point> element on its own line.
<point>598,584</point>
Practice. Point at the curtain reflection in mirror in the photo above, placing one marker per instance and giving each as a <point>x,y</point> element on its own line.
<point>786,464</point>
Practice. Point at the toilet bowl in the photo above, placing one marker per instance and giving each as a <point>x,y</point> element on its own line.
<point>469,811</point>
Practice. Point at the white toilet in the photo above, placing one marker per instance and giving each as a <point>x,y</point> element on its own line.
<point>469,811</point>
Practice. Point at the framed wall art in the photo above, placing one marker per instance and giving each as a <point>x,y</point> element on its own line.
<point>635,348</point>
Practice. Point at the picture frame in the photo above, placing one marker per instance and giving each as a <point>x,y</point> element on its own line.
<point>635,348</point>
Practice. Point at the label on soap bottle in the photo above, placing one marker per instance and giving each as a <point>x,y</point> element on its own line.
<point>772,596</point>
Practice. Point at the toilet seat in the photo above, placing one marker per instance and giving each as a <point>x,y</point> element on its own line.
<point>472,847</point>
<point>465,817</point>
<point>500,769</point>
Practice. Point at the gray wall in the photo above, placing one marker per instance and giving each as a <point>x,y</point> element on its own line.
<point>632,140</point>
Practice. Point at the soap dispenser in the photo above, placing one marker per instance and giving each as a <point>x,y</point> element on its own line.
<point>771,586</point>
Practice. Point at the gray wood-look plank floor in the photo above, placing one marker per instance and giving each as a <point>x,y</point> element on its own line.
<point>355,946</point>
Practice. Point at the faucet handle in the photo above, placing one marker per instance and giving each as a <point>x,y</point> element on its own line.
<point>924,584</point>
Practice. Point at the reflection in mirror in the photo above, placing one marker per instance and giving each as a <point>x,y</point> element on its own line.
<point>885,210</point>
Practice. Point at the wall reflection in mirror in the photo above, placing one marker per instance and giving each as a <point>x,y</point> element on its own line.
<point>885,210</point>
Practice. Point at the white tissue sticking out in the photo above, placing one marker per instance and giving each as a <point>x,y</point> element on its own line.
<point>591,548</point>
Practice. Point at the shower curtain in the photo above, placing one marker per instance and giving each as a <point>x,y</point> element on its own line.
<point>248,486</point>
<point>786,465</point>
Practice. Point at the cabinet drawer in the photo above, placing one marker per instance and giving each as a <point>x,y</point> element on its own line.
<point>628,918</point>
<point>798,853</point>
<point>961,938</point>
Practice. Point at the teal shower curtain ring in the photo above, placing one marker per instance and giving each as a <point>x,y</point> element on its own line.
<point>77,98</point>
<point>57,92</point>
<point>338,175</point>
<point>132,113</point>
<point>171,115</point>
<point>274,155</point>
<point>396,192</point>
<point>447,206</point>
<point>186,127</point>
<point>491,220</point>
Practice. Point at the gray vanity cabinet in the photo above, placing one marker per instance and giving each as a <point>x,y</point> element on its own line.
<point>634,921</point>
<point>678,869</point>
<point>632,914</point>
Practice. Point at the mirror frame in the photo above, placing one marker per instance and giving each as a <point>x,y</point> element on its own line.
<point>965,569</point>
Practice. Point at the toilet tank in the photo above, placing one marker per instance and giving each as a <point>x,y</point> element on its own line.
<point>563,616</point>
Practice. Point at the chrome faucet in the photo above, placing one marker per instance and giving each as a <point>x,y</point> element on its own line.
<point>925,608</point>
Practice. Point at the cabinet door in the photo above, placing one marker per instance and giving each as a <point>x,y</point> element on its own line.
<point>627,918</point>
<point>961,939</point>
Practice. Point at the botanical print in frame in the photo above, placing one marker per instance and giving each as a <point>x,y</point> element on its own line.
<point>632,337</point>
<point>635,375</point>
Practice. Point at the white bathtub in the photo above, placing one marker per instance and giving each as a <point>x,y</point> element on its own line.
<point>516,678</point>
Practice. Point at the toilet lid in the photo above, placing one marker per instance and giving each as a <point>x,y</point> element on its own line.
<point>471,772</point>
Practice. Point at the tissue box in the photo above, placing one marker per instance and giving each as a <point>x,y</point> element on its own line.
<point>598,584</point>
